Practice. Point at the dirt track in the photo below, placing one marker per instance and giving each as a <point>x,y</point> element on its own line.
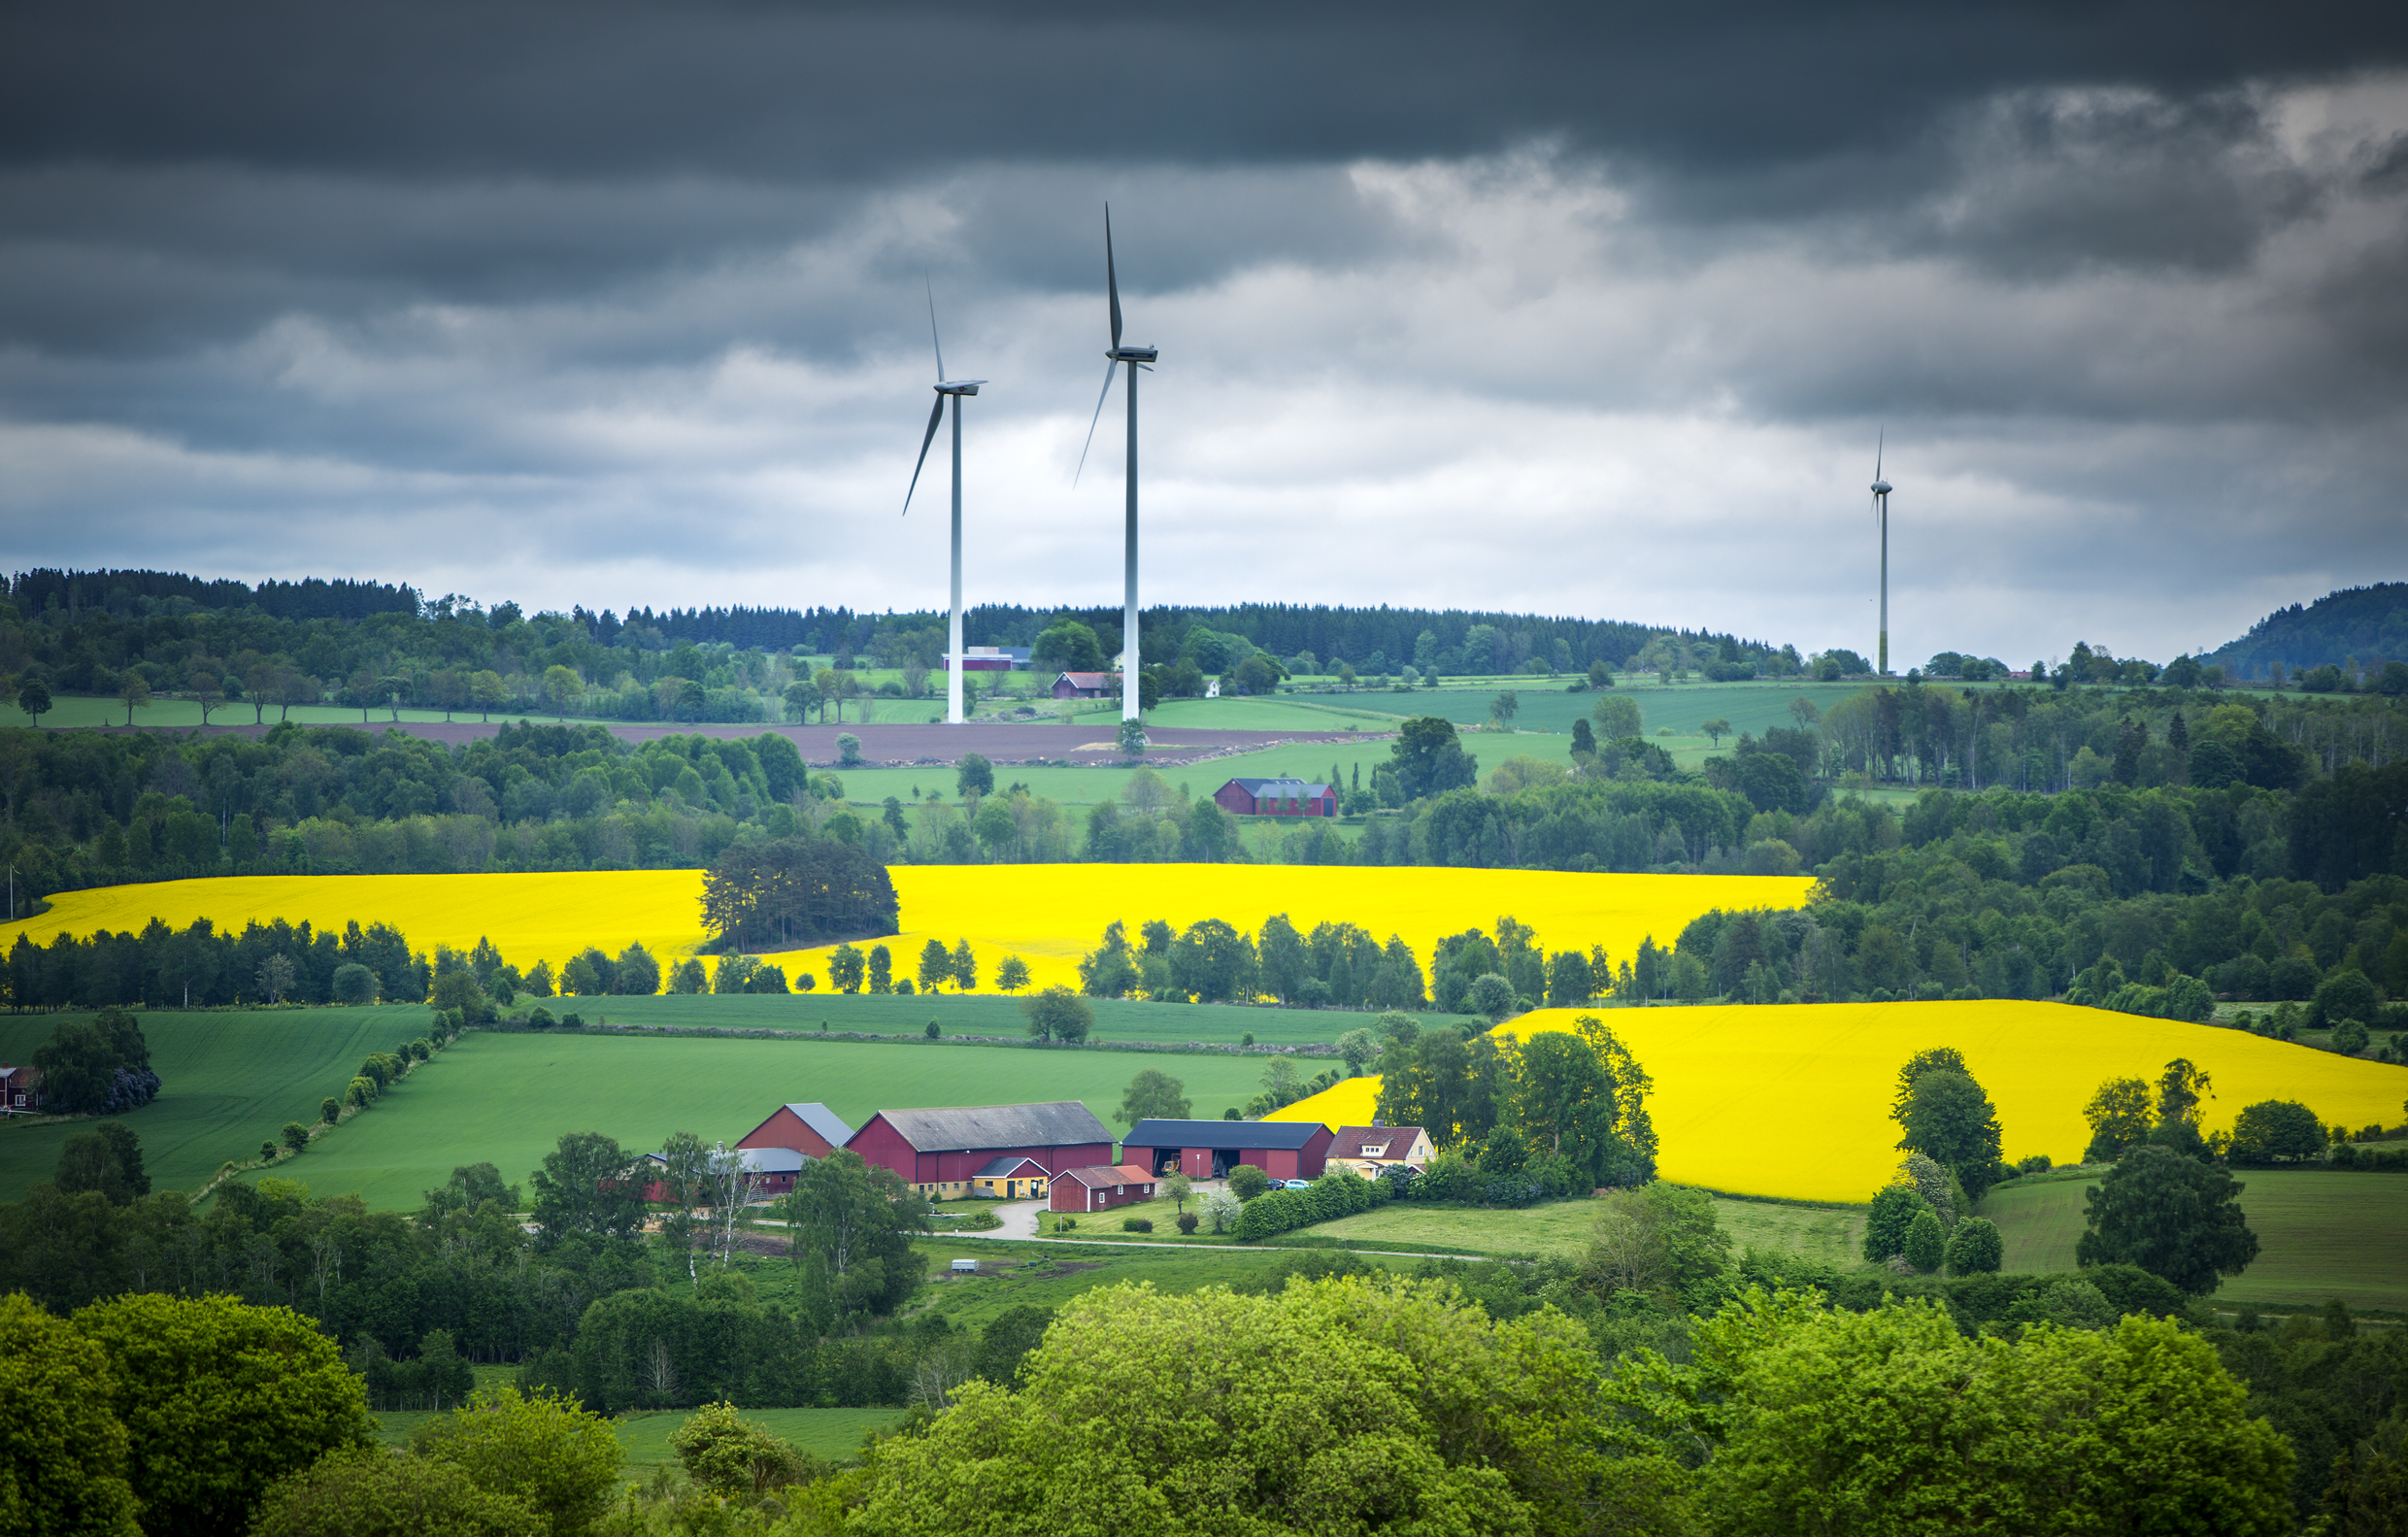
<point>901,746</point>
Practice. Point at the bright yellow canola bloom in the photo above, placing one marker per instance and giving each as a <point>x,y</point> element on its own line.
<point>1049,914</point>
<point>1794,1100</point>
<point>529,917</point>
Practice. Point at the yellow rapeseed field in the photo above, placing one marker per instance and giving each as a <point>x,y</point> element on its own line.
<point>1794,1100</point>
<point>1049,914</point>
<point>531,918</point>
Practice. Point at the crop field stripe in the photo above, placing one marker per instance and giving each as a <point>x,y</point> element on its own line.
<point>228,1081</point>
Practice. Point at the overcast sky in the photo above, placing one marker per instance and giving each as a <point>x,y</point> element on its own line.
<point>1510,306</point>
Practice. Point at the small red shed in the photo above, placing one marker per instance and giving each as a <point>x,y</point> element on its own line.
<point>21,1090</point>
<point>1102,1188</point>
<point>1277,797</point>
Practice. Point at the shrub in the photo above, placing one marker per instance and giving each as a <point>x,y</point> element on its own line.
<point>1274,1212</point>
<point>296,1135</point>
<point>1246,1182</point>
<point>1927,1242</point>
<point>1136,1224</point>
<point>2276,1132</point>
<point>1187,1222</point>
<point>330,1110</point>
<point>931,1031</point>
<point>2037,1163</point>
<point>1222,1210</point>
<point>981,1220</point>
<point>1975,1247</point>
<point>354,985</point>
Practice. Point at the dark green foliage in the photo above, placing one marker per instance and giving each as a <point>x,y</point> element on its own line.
<point>1894,1210</point>
<point>1428,758</point>
<point>1949,1120</point>
<point>1056,1013</point>
<point>1004,1344</point>
<point>1925,1241</point>
<point>786,891</point>
<point>585,1188</point>
<point>2276,1132</point>
<point>98,1066</point>
<point>1975,1247</point>
<point>2171,1216</point>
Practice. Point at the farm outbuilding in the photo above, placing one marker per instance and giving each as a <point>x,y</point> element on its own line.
<point>1011,1178</point>
<point>1277,797</point>
<point>989,658</point>
<point>1085,685</point>
<point>942,1152</point>
<point>1208,1150</point>
<point>809,1128</point>
<point>1102,1188</point>
<point>21,1090</point>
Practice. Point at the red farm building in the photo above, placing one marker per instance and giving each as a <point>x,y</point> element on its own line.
<point>1277,797</point>
<point>810,1128</point>
<point>20,1090</point>
<point>1208,1150</point>
<point>1101,1189</point>
<point>941,1153</point>
<point>1085,685</point>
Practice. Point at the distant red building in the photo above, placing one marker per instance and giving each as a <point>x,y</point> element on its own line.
<point>1208,1150</point>
<point>21,1090</point>
<point>940,1152</point>
<point>1101,1189</point>
<point>1085,685</point>
<point>1277,797</point>
<point>809,1128</point>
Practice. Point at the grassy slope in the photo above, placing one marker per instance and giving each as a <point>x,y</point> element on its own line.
<point>507,1099</point>
<point>228,1081</point>
<point>2323,1234</point>
<point>1562,1228</point>
<point>984,1014</point>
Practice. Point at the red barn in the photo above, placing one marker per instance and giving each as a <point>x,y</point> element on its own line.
<point>1277,797</point>
<point>21,1090</point>
<point>1208,1150</point>
<point>1102,1188</point>
<point>941,1152</point>
<point>1085,685</point>
<point>810,1128</point>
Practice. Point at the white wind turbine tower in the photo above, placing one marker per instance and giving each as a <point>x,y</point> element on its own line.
<point>1881,516</point>
<point>1136,357</point>
<point>955,388</point>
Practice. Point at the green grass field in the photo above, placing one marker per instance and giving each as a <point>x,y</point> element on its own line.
<point>2322,1234</point>
<point>228,1081</point>
<point>986,1013</point>
<point>1562,1228</point>
<point>832,1433</point>
<point>507,1099</point>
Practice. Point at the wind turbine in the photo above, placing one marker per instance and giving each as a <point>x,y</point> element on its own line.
<point>1881,515</point>
<point>955,388</point>
<point>1136,357</point>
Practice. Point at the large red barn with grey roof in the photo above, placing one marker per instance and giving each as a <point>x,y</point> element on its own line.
<point>940,1151</point>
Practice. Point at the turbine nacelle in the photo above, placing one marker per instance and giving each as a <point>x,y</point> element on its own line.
<point>1134,354</point>
<point>1881,488</point>
<point>960,386</point>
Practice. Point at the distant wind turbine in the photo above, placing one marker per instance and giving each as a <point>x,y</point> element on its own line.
<point>1881,515</point>
<point>1136,357</point>
<point>955,388</point>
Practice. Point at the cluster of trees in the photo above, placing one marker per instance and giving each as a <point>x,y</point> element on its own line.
<point>788,893</point>
<point>201,966</point>
<point>1562,1110</point>
<point>1336,965</point>
<point>92,809</point>
<point>99,1066</point>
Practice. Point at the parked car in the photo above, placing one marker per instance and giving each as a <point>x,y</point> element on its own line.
<point>1293,1184</point>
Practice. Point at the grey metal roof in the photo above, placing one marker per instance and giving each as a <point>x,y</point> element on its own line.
<point>1222,1133</point>
<point>823,1120</point>
<point>1054,1124</point>
<point>1005,1165</point>
<point>772,1161</point>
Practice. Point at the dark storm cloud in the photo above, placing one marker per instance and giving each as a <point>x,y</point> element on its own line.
<point>605,299</point>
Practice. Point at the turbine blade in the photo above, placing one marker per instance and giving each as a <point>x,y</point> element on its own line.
<point>1879,439</point>
<point>1091,420</point>
<point>934,417</point>
<point>1111,280</point>
<point>932,336</point>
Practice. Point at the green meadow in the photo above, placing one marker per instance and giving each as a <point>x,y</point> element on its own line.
<point>2322,1234</point>
<point>985,1013</point>
<point>507,1099</point>
<point>228,1081</point>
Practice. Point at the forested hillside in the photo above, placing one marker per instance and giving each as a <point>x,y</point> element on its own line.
<point>2364,626</point>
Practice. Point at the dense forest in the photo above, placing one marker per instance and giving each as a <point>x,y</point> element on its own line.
<point>2356,624</point>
